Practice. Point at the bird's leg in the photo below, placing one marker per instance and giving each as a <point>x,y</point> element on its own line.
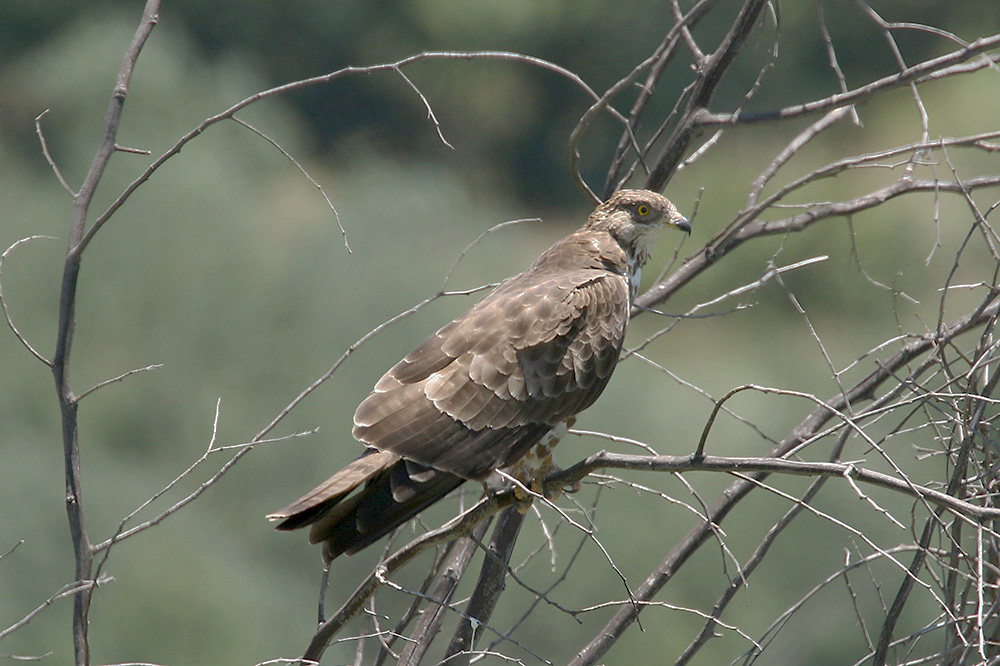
<point>501,479</point>
<point>533,468</point>
<point>547,468</point>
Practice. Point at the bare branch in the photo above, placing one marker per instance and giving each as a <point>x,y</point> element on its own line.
<point>831,54</point>
<point>691,463</point>
<point>710,73</point>
<point>11,549</point>
<point>747,569</point>
<point>241,450</point>
<point>950,64</point>
<point>488,588</point>
<point>459,526</point>
<point>656,63</point>
<point>121,377</point>
<point>750,229</point>
<point>667,50</point>
<point>427,105</point>
<point>68,590</point>
<point>790,150</point>
<point>431,620</point>
<point>82,549</point>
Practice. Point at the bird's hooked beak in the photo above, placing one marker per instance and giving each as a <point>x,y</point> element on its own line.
<point>681,222</point>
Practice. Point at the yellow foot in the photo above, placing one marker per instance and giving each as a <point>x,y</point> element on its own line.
<point>555,493</point>
<point>523,504</point>
<point>534,467</point>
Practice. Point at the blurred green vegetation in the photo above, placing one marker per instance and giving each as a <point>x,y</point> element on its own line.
<point>229,270</point>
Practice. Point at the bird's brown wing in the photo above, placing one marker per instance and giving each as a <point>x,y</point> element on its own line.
<point>476,395</point>
<point>481,391</point>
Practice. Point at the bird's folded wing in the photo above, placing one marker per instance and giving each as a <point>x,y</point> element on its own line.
<point>484,388</point>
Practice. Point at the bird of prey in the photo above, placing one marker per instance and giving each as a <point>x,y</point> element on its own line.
<point>497,386</point>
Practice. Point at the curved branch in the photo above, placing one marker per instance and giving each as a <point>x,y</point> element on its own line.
<point>48,155</point>
<point>3,302</point>
<point>317,80</point>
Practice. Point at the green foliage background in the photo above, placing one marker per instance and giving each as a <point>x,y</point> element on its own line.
<point>229,270</point>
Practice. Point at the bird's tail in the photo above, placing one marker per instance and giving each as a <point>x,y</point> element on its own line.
<point>364,501</point>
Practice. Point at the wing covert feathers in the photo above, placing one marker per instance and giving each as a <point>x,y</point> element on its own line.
<point>526,357</point>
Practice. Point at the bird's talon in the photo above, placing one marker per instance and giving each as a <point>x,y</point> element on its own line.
<point>522,499</point>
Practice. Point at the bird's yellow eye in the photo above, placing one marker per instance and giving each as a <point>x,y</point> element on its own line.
<point>642,210</point>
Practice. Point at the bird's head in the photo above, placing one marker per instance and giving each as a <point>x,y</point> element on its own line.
<point>635,218</point>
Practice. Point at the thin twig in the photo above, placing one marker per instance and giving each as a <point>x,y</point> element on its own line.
<point>68,590</point>
<point>427,105</point>
<point>302,170</point>
<point>48,156</point>
<point>950,64</point>
<point>121,377</point>
<point>3,301</point>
